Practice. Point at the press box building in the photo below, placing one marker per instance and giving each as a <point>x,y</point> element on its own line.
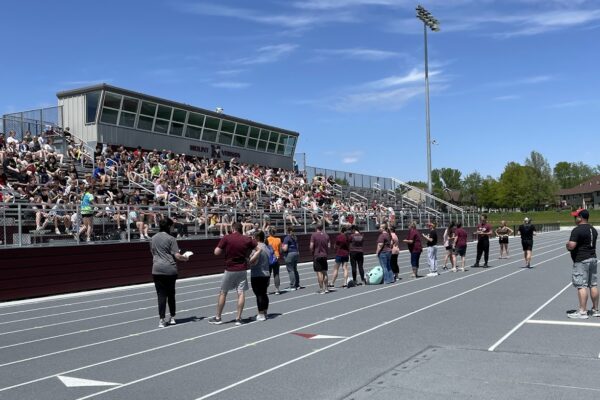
<point>112,115</point>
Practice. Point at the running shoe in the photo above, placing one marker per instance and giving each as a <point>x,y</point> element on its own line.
<point>215,321</point>
<point>432,274</point>
<point>172,321</point>
<point>261,317</point>
<point>161,323</point>
<point>575,314</point>
<point>595,313</point>
<point>453,270</point>
<point>277,292</point>
<point>238,322</point>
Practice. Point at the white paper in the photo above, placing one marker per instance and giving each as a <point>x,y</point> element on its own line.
<point>188,254</point>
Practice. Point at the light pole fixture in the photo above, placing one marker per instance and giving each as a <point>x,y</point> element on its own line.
<point>428,22</point>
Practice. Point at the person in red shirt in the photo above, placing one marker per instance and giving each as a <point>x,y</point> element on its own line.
<point>413,240</point>
<point>342,252</point>
<point>461,244</point>
<point>319,246</point>
<point>236,248</point>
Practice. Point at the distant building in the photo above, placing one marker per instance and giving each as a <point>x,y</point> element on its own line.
<point>586,194</point>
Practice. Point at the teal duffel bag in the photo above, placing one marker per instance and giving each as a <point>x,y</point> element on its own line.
<point>375,276</point>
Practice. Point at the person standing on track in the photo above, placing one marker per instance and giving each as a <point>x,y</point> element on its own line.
<point>384,253</point>
<point>449,242</point>
<point>503,232</point>
<point>413,240</point>
<point>236,248</point>
<point>484,231</point>
<point>432,239</point>
<point>260,275</point>
<point>395,254</point>
<point>275,244</point>
<point>165,254</point>
<point>342,251</point>
<point>582,245</point>
<point>461,245</point>
<point>357,256</point>
<point>527,231</point>
<point>319,247</point>
<point>291,252</point>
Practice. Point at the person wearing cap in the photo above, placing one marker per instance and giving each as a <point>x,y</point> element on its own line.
<point>582,245</point>
<point>527,232</point>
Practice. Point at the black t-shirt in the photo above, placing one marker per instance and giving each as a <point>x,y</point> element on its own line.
<point>526,231</point>
<point>434,238</point>
<point>585,236</point>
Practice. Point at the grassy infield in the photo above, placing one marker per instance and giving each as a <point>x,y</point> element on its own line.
<point>540,217</point>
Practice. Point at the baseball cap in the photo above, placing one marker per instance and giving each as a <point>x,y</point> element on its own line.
<point>581,213</point>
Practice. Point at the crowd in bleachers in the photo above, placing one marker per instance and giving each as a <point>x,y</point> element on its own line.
<point>129,184</point>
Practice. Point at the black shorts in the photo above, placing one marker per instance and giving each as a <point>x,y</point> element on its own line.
<point>503,240</point>
<point>320,264</point>
<point>527,245</point>
<point>449,248</point>
<point>461,251</point>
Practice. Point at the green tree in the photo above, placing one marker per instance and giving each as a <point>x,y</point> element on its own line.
<point>470,188</point>
<point>445,179</point>
<point>543,187</point>
<point>515,187</point>
<point>488,195</point>
<point>569,174</point>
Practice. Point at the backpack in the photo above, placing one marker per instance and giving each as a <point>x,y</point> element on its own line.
<point>375,276</point>
<point>271,254</point>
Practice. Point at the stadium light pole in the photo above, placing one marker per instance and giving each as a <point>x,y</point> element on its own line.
<point>428,22</point>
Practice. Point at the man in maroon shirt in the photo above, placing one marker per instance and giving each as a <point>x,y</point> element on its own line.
<point>237,249</point>
<point>484,231</point>
<point>342,256</point>
<point>413,240</point>
<point>319,246</point>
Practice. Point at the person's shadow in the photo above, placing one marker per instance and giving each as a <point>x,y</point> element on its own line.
<point>188,320</point>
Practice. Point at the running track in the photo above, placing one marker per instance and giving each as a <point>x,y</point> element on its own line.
<point>496,333</point>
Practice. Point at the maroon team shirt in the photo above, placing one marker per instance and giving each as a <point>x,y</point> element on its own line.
<point>484,228</point>
<point>342,245</point>
<point>320,242</point>
<point>237,249</point>
<point>385,239</point>
<point>461,237</point>
<point>415,236</point>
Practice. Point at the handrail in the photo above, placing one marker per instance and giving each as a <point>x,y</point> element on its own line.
<point>354,195</point>
<point>148,181</point>
<point>450,205</point>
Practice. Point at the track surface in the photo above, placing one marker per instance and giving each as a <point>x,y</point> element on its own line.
<point>495,333</point>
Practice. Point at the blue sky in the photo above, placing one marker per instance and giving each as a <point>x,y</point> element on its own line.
<point>507,76</point>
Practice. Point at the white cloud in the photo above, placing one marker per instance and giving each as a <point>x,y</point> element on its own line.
<point>507,97</point>
<point>351,157</point>
<point>230,72</point>
<point>268,54</point>
<point>290,20</point>
<point>231,85</point>
<point>413,76</point>
<point>567,104</point>
<point>386,99</point>
<point>530,80</point>
<point>360,53</point>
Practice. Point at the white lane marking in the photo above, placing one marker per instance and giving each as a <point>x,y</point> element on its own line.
<point>78,382</point>
<point>154,330</point>
<point>520,324</point>
<point>564,323</point>
<point>291,331</point>
<point>124,312</point>
<point>67,296</point>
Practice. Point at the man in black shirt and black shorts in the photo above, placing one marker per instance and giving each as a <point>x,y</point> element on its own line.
<point>527,231</point>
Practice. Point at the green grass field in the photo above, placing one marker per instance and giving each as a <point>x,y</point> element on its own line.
<point>540,217</point>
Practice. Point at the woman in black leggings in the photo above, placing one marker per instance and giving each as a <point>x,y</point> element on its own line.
<point>260,275</point>
<point>357,254</point>
<point>165,254</point>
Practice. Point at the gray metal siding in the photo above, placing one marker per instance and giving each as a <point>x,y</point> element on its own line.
<point>74,118</point>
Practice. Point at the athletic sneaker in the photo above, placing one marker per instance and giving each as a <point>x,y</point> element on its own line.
<point>172,321</point>
<point>215,321</point>
<point>453,270</point>
<point>57,231</point>
<point>475,266</point>
<point>577,315</point>
<point>595,313</point>
<point>290,289</point>
<point>485,265</point>
<point>238,322</point>
<point>432,274</point>
<point>277,292</point>
<point>161,323</point>
<point>261,317</point>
